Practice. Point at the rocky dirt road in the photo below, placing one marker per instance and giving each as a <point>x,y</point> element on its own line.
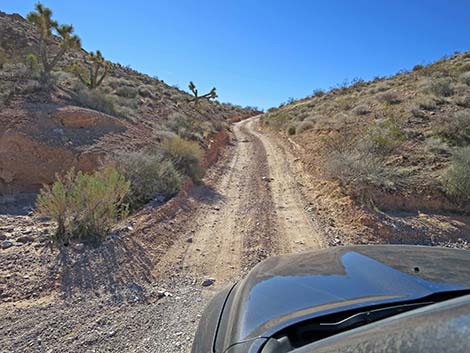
<point>254,209</point>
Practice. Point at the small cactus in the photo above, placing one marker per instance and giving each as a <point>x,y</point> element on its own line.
<point>211,95</point>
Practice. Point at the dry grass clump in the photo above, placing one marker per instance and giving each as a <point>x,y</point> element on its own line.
<point>304,126</point>
<point>84,205</point>
<point>456,179</point>
<point>361,109</point>
<point>456,128</point>
<point>441,87</point>
<point>356,164</point>
<point>389,97</point>
<point>126,91</point>
<point>465,78</point>
<point>427,103</point>
<point>96,100</point>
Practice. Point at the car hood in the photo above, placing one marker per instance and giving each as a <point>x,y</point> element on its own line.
<point>287,289</point>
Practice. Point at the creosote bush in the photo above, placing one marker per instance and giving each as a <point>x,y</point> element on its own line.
<point>84,205</point>
<point>186,156</point>
<point>291,130</point>
<point>456,179</point>
<point>150,175</point>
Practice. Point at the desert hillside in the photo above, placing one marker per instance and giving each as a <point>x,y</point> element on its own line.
<point>390,157</point>
<point>77,126</point>
<point>127,204</point>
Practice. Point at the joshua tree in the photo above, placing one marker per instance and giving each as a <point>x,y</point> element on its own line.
<point>45,25</point>
<point>211,95</point>
<point>97,70</point>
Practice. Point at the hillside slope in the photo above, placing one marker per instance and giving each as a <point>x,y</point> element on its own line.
<point>390,157</point>
<point>142,110</point>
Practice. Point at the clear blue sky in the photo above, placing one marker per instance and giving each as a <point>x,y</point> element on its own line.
<point>261,52</point>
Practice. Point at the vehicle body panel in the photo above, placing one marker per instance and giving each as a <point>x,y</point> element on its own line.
<point>284,290</point>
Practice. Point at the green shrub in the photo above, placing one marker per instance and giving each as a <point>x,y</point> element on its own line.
<point>186,156</point>
<point>456,179</point>
<point>304,126</point>
<point>83,205</point>
<point>150,175</point>
<point>96,100</point>
<point>291,130</point>
<point>456,129</point>
<point>384,138</point>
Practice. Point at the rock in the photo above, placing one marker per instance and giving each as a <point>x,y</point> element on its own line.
<point>6,244</point>
<point>189,240</point>
<point>208,282</point>
<point>79,246</point>
<point>25,239</point>
<point>2,237</point>
<point>163,294</point>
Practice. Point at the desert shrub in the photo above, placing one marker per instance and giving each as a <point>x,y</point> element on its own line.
<point>83,205</point>
<point>465,78</point>
<point>291,130</point>
<point>456,129</point>
<point>356,165</point>
<point>146,91</point>
<point>28,87</point>
<point>389,97</point>
<point>418,67</point>
<point>456,179</point>
<point>384,138</point>
<point>115,82</point>
<point>440,87</point>
<point>463,101</point>
<point>150,175</point>
<point>184,126</point>
<point>361,109</point>
<point>303,126</point>
<point>126,91</point>
<point>186,156</point>
<point>95,100</point>
<point>436,145</point>
<point>318,93</point>
<point>14,71</point>
<point>427,103</point>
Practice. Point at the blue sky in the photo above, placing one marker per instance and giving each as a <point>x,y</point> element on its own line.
<point>261,52</point>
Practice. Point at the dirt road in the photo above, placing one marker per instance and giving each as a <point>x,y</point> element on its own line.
<point>253,209</point>
<point>256,210</point>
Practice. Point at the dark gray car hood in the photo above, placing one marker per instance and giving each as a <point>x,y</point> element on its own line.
<point>287,289</point>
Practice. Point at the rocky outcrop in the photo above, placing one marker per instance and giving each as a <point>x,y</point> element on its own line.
<point>49,141</point>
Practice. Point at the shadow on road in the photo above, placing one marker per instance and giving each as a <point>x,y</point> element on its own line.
<point>118,268</point>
